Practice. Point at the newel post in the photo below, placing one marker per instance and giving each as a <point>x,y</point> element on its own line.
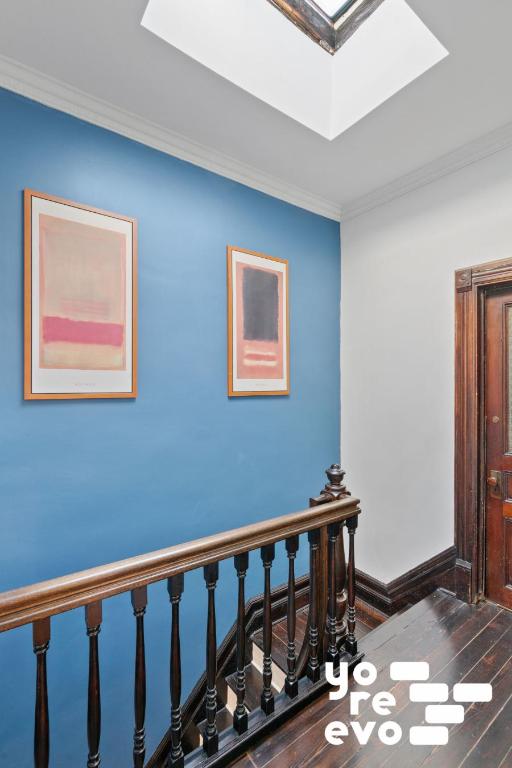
<point>333,490</point>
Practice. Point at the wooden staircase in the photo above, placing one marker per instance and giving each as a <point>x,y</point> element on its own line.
<point>368,618</point>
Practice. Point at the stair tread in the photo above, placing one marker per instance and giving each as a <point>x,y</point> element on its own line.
<point>224,720</point>
<point>280,637</point>
<point>280,651</point>
<point>366,621</point>
<point>253,686</point>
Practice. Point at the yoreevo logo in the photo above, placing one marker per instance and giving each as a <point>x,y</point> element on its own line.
<point>440,710</point>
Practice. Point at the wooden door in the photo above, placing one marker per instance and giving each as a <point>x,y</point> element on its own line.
<point>498,425</point>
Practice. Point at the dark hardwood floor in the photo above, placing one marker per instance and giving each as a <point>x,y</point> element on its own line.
<point>461,643</point>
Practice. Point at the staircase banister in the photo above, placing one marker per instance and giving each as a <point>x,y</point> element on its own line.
<point>48,598</point>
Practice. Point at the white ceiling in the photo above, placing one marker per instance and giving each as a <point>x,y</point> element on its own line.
<point>99,48</point>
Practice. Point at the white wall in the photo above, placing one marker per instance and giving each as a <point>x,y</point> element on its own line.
<point>398,264</point>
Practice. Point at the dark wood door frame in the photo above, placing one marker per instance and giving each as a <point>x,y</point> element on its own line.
<point>471,286</point>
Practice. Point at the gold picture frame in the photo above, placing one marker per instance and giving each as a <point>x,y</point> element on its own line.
<point>78,344</point>
<point>258,324</point>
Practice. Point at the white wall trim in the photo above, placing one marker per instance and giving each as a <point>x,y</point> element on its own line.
<point>479,149</point>
<point>59,95</point>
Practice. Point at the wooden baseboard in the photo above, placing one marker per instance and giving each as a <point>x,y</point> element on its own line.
<point>410,588</point>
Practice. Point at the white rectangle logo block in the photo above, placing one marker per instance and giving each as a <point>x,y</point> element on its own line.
<point>431,736</point>
<point>472,692</point>
<point>409,670</point>
<point>444,713</point>
<point>428,692</point>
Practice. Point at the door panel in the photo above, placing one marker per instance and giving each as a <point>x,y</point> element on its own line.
<point>508,372</point>
<point>508,552</point>
<point>498,413</point>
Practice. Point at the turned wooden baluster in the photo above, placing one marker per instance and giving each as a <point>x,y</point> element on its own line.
<point>210,736</point>
<point>176,758</point>
<point>93,623</point>
<point>267,695</point>
<point>240,720</point>
<point>351,642</point>
<point>139,602</point>
<point>341,583</point>
<point>291,684</point>
<point>334,490</point>
<point>41,642</point>
<point>313,668</point>
<point>333,532</point>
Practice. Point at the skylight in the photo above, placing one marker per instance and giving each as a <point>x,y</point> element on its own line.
<point>257,49</point>
<point>333,7</point>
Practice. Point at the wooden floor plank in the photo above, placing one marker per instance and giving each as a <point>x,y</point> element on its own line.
<point>507,760</point>
<point>362,630</point>
<point>243,762</point>
<point>477,720</point>
<point>495,743</point>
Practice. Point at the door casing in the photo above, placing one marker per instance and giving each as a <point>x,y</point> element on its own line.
<point>471,287</point>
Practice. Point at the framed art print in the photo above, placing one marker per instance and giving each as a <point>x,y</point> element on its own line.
<point>258,324</point>
<point>80,301</point>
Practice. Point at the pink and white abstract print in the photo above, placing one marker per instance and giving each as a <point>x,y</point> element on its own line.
<point>82,296</point>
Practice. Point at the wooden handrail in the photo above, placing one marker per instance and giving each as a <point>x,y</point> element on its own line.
<point>48,598</point>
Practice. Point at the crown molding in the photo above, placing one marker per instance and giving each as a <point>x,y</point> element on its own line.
<point>485,146</point>
<point>54,93</point>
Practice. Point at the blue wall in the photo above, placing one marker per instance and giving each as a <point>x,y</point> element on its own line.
<point>88,482</point>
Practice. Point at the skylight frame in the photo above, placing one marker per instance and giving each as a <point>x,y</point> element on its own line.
<point>330,33</point>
